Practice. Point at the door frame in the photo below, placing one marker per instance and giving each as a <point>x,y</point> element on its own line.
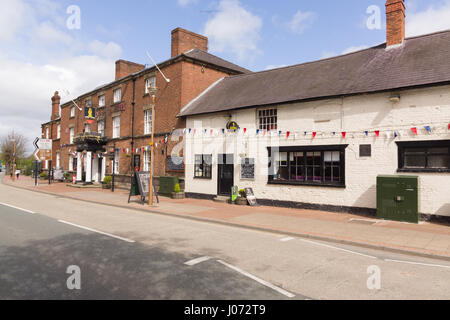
<point>224,158</point>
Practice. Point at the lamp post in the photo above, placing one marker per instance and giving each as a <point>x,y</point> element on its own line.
<point>153,91</point>
<point>14,161</point>
<point>113,158</point>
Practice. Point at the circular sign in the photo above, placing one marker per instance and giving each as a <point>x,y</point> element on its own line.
<point>232,126</point>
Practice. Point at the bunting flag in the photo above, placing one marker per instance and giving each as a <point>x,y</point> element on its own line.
<point>223,131</point>
<point>265,132</point>
<point>212,131</point>
<point>377,133</point>
<point>245,129</point>
<point>367,133</point>
<point>344,134</point>
<point>257,131</point>
<point>395,135</point>
<point>428,128</point>
<point>449,126</point>
<point>190,130</point>
<point>414,130</point>
<point>314,134</point>
<point>195,131</point>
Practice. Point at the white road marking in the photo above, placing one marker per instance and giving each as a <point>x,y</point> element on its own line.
<point>197,261</point>
<point>25,210</point>
<point>337,248</point>
<point>263,282</point>
<point>418,263</point>
<point>286,239</point>
<point>97,231</point>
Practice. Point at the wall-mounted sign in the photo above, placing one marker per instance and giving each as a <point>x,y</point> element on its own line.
<point>232,126</point>
<point>247,168</point>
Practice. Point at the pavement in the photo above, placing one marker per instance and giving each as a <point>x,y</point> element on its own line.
<point>426,239</point>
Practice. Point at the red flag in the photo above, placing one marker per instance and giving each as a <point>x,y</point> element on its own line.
<point>344,134</point>
<point>414,130</point>
<point>449,126</point>
<point>245,130</point>
<point>377,133</point>
<point>288,134</point>
<point>314,135</point>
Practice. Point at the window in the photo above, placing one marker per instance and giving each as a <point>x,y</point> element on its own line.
<point>58,160</point>
<point>203,166</point>
<point>321,165</point>
<point>267,119</point>
<point>101,128</point>
<point>58,132</point>
<point>70,163</point>
<point>147,160</point>
<point>101,101</point>
<point>88,103</point>
<point>116,127</point>
<point>72,134</point>
<point>116,162</point>
<point>87,128</point>
<point>72,112</point>
<point>148,122</point>
<point>47,133</point>
<point>117,95</point>
<point>424,156</point>
<point>149,82</point>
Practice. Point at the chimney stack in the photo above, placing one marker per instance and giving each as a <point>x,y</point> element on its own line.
<point>56,100</point>
<point>395,22</point>
<point>125,68</point>
<point>184,40</point>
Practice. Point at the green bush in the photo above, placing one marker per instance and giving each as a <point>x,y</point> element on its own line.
<point>242,193</point>
<point>107,180</point>
<point>67,177</point>
<point>44,175</point>
<point>177,188</point>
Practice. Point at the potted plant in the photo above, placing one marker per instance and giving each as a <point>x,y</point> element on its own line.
<point>242,199</point>
<point>177,194</point>
<point>43,176</point>
<point>107,182</point>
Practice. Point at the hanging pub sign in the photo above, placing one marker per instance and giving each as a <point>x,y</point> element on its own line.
<point>232,126</point>
<point>89,113</point>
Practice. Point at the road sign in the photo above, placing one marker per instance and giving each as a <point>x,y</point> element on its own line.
<point>44,155</point>
<point>45,144</point>
<point>43,150</point>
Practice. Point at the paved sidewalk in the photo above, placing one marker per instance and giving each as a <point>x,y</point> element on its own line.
<point>425,239</point>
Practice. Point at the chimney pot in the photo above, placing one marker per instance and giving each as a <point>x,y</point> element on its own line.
<point>56,100</point>
<point>184,40</point>
<point>395,22</point>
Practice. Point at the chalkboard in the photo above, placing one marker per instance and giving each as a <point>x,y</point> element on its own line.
<point>175,164</point>
<point>247,168</point>
<point>143,179</point>
<point>251,197</point>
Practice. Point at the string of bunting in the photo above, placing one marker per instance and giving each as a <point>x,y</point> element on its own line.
<point>388,133</point>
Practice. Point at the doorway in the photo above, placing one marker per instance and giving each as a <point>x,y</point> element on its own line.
<point>225,179</point>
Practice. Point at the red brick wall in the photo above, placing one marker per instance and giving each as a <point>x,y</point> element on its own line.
<point>184,40</point>
<point>395,22</point>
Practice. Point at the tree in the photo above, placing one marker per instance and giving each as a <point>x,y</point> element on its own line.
<point>7,145</point>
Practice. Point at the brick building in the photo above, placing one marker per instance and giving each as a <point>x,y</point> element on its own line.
<point>191,69</point>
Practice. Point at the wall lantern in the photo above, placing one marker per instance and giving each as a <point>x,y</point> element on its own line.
<point>394,98</point>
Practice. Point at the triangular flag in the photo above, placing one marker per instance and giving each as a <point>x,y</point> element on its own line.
<point>257,131</point>
<point>190,130</point>
<point>288,134</point>
<point>367,133</point>
<point>395,135</point>
<point>279,133</point>
<point>428,128</point>
<point>414,130</point>
<point>223,131</point>
<point>245,130</point>
<point>344,134</point>
<point>314,135</point>
<point>212,131</point>
<point>449,126</point>
<point>377,133</point>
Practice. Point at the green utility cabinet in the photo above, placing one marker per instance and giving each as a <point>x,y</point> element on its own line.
<point>398,198</point>
<point>167,185</point>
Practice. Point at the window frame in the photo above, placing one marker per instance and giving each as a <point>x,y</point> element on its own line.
<point>203,164</point>
<point>101,132</point>
<point>148,125</point>
<point>265,126</point>
<point>71,135</point>
<point>114,95</point>
<point>430,144</point>
<point>58,132</point>
<point>114,135</point>
<point>102,97</point>
<point>153,79</point>
<point>305,149</point>
<point>72,112</point>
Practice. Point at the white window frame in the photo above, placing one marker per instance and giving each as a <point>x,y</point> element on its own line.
<point>72,112</point>
<point>116,164</point>
<point>47,133</point>
<point>148,121</point>
<point>117,95</point>
<point>71,135</point>
<point>147,161</point>
<point>116,127</point>
<point>101,127</point>
<point>58,132</point>
<point>265,120</point>
<point>101,101</point>
<point>70,163</point>
<point>149,82</point>
<point>58,160</point>
<point>87,128</point>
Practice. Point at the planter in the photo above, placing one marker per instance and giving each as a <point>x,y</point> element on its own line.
<point>178,196</point>
<point>241,201</point>
<point>106,186</point>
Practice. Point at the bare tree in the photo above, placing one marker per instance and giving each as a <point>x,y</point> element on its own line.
<point>9,143</point>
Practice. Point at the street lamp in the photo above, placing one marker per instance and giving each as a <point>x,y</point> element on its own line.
<point>113,159</point>
<point>14,161</point>
<point>153,91</point>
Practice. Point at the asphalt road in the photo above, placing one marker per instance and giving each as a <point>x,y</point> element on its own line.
<point>129,254</point>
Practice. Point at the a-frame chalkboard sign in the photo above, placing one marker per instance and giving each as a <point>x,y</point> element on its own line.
<point>140,186</point>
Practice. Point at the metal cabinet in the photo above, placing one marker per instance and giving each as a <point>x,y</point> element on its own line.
<point>398,198</point>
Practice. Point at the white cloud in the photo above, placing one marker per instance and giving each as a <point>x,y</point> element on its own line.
<point>234,29</point>
<point>184,3</point>
<point>301,21</point>
<point>40,56</point>
<point>435,18</point>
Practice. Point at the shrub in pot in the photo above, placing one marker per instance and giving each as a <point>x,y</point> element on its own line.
<point>177,194</point>
<point>242,199</point>
<point>107,182</point>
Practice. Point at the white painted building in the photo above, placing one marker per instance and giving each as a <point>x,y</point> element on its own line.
<point>317,135</point>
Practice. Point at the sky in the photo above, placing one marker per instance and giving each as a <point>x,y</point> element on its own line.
<point>71,45</point>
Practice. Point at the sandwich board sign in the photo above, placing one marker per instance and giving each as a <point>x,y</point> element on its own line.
<point>251,197</point>
<point>140,186</point>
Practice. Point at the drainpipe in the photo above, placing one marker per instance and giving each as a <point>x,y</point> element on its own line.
<point>132,130</point>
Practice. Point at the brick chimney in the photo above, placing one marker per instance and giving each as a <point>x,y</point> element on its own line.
<point>395,22</point>
<point>184,40</point>
<point>125,68</point>
<point>56,100</point>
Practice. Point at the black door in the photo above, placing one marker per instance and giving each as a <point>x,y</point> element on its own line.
<point>226,174</point>
<point>100,161</point>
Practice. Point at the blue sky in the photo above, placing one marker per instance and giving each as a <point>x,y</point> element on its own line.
<point>40,54</point>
